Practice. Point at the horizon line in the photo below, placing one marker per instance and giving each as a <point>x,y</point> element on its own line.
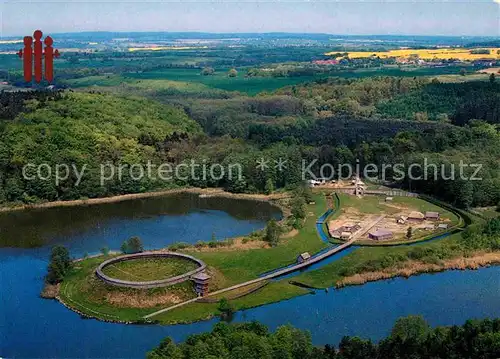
<point>251,33</point>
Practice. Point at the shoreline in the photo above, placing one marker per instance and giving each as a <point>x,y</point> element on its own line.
<point>412,268</point>
<point>206,192</point>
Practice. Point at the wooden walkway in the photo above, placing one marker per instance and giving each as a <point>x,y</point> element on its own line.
<point>279,273</point>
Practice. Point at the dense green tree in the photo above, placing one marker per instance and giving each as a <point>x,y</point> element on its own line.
<point>410,338</point>
<point>409,232</point>
<point>206,71</point>
<point>132,245</point>
<point>269,188</point>
<point>356,348</point>
<point>59,265</point>
<point>298,207</point>
<point>226,308</point>
<point>273,232</point>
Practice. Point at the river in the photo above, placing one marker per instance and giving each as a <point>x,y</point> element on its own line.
<point>34,327</point>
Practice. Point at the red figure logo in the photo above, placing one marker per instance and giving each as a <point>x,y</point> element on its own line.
<point>30,55</point>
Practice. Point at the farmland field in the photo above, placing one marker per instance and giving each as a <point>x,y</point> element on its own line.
<point>429,54</point>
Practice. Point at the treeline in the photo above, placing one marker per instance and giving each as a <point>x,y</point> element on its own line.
<point>354,102</point>
<point>436,152</point>
<point>347,130</point>
<point>311,69</point>
<point>411,337</point>
<point>322,99</point>
<point>359,107</point>
<point>441,159</point>
<point>235,116</point>
<point>352,96</point>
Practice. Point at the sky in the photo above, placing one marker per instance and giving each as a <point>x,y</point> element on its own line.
<point>347,17</point>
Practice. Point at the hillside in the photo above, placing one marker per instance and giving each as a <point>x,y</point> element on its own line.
<point>78,129</point>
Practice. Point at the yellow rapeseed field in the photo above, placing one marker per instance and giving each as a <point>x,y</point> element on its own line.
<point>428,54</point>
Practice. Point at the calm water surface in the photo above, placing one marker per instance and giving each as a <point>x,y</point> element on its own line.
<point>31,327</point>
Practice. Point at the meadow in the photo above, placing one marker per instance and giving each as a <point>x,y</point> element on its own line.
<point>221,80</point>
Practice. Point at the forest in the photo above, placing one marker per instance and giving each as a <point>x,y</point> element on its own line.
<point>411,337</point>
<point>374,120</point>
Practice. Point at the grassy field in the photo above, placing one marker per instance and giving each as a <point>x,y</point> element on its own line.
<point>148,269</point>
<point>367,204</point>
<point>189,82</point>
<point>488,212</point>
<point>239,266</point>
<point>354,208</point>
<point>220,80</point>
<point>376,205</point>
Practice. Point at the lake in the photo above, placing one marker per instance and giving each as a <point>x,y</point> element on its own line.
<point>34,327</point>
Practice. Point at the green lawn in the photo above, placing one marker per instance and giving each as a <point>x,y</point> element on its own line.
<point>366,205</point>
<point>239,266</point>
<point>188,81</point>
<point>148,269</point>
<point>377,204</point>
